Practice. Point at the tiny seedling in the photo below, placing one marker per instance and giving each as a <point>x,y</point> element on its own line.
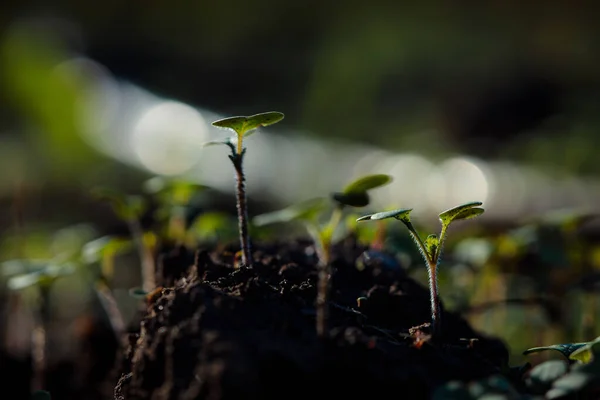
<point>130,208</point>
<point>309,212</point>
<point>39,275</point>
<point>174,198</point>
<point>431,247</point>
<point>243,127</point>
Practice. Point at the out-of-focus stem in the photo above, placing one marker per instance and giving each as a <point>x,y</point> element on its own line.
<point>146,257</point>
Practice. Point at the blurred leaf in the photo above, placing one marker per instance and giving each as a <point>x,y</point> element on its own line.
<point>366,183</point>
<point>573,382</point>
<point>126,207</point>
<point>172,191</point>
<point>564,349</point>
<point>104,246</point>
<point>306,210</point>
<point>229,142</point>
<point>542,376</point>
<point>354,199</point>
<point>214,226</point>
<point>586,354</point>
<point>68,242</point>
<point>49,98</point>
<point>20,282</point>
<point>401,215</point>
<point>43,276</point>
<point>461,212</point>
<point>17,267</point>
<point>150,240</point>
<point>243,126</point>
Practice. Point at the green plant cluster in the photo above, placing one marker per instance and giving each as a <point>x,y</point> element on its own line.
<point>505,256</point>
<point>575,377</point>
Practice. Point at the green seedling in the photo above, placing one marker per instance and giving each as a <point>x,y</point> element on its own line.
<point>431,247</point>
<point>174,199</point>
<point>309,212</point>
<point>39,275</point>
<point>130,208</point>
<point>243,127</point>
<point>582,352</point>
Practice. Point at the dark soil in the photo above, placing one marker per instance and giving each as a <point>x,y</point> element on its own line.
<point>220,332</point>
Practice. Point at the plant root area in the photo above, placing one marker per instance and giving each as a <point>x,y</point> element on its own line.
<point>217,331</point>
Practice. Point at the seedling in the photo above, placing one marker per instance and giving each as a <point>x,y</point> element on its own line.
<point>431,247</point>
<point>39,275</point>
<point>243,127</point>
<point>129,209</point>
<point>174,200</point>
<point>309,212</point>
<point>583,352</point>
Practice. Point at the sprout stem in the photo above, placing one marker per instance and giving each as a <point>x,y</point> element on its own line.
<point>431,262</point>
<point>242,208</point>
<point>146,257</point>
<point>324,282</point>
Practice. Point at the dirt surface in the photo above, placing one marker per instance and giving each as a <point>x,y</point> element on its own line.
<point>221,332</point>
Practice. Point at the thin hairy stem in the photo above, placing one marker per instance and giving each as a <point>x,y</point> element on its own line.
<point>242,208</point>
<point>431,262</point>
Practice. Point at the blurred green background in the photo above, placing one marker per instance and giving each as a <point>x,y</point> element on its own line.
<point>496,101</point>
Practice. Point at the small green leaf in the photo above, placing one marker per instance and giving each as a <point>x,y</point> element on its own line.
<point>20,267</point>
<point>352,199</point>
<point>126,207</point>
<point>243,125</point>
<point>459,212</point>
<point>45,276</point>
<point>586,354</point>
<point>366,183</point>
<point>21,282</point>
<point>401,215</point>
<point>229,142</point>
<point>470,213</point>
<point>95,250</point>
<point>432,243</point>
<point>263,119</point>
<point>564,349</point>
<point>306,210</point>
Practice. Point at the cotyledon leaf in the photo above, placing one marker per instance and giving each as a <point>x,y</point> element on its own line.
<point>305,210</point>
<point>244,125</point>
<point>402,214</point>
<point>353,199</point>
<point>565,349</point>
<point>461,212</point>
<point>366,183</point>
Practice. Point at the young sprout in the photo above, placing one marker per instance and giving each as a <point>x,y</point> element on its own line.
<point>354,195</point>
<point>431,247</point>
<point>39,275</point>
<point>174,198</point>
<point>243,127</point>
<point>130,209</point>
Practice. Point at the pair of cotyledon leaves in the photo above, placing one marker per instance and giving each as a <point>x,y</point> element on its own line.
<point>432,242</point>
<point>354,194</point>
<point>244,126</point>
<point>464,211</point>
